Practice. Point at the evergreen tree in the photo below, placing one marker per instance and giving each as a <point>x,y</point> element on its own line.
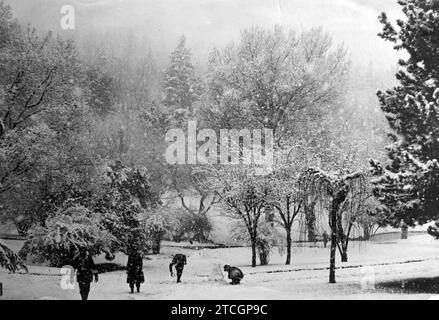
<point>181,84</point>
<point>102,87</point>
<point>408,187</point>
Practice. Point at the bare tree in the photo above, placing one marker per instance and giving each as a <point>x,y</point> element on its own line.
<point>246,194</point>
<point>186,179</point>
<point>287,200</point>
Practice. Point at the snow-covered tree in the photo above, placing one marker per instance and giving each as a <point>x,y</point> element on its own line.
<point>286,199</point>
<point>272,78</point>
<point>102,88</point>
<point>125,199</point>
<point>181,86</point>
<point>44,154</point>
<point>157,224</point>
<point>245,194</point>
<point>334,189</point>
<point>408,185</point>
<point>70,230</point>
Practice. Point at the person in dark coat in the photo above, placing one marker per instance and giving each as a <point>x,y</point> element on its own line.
<point>235,274</point>
<point>85,271</point>
<point>179,261</point>
<point>135,274</point>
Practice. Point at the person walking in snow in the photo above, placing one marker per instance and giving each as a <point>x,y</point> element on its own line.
<point>135,275</point>
<point>85,271</point>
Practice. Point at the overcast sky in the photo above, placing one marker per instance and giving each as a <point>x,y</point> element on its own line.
<point>208,23</point>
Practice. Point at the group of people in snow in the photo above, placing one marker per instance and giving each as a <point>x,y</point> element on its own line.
<point>86,271</point>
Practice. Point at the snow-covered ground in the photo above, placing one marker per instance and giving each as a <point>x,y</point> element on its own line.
<point>371,265</point>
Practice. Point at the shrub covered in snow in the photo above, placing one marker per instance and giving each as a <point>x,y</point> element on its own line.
<point>65,233</point>
<point>127,197</point>
<point>157,225</point>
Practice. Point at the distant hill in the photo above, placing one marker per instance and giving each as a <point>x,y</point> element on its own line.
<point>208,23</point>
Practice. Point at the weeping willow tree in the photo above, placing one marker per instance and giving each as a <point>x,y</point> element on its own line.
<point>9,260</point>
<point>335,189</point>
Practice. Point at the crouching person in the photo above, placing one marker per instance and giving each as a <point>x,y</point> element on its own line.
<point>235,274</point>
<point>135,275</point>
<point>85,271</point>
<point>179,261</point>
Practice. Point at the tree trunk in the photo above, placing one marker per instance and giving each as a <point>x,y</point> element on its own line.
<point>366,232</point>
<point>156,246</point>
<point>288,247</point>
<point>343,240</point>
<point>344,253</point>
<point>404,231</point>
<point>253,252</point>
<point>339,197</point>
<point>333,246</point>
